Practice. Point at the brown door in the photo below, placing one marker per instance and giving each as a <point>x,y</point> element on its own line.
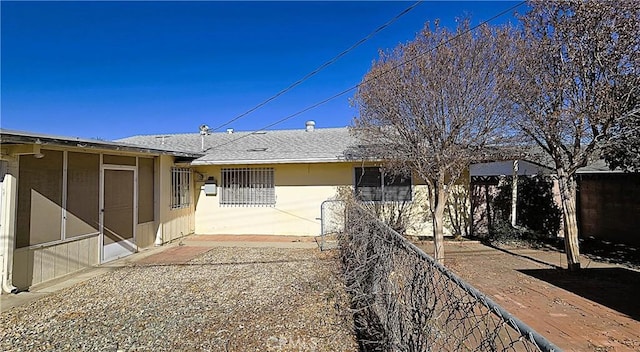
<point>118,214</point>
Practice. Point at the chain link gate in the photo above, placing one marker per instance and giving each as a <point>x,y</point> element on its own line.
<point>332,215</point>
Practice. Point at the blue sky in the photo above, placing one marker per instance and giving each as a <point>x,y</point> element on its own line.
<point>115,69</point>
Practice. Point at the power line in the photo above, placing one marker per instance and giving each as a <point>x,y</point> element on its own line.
<point>321,67</point>
<point>326,100</point>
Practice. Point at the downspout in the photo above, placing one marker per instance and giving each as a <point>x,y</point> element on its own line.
<point>7,230</point>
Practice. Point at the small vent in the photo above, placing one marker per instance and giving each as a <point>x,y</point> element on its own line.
<point>310,125</point>
<point>162,138</point>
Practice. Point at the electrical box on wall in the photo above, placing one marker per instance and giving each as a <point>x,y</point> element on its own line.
<point>210,187</point>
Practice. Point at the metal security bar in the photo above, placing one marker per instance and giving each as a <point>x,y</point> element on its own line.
<point>180,187</point>
<point>372,184</point>
<point>248,187</point>
<point>406,301</point>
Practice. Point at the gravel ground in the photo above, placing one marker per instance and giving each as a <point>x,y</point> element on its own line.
<point>228,299</point>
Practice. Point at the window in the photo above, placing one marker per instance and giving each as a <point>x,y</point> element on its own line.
<point>248,186</point>
<point>180,188</point>
<point>372,184</point>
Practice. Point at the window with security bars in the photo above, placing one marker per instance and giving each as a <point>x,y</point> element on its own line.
<point>180,187</point>
<point>372,184</point>
<point>248,187</point>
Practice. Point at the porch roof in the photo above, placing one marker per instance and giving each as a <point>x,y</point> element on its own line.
<point>9,137</point>
<point>505,168</point>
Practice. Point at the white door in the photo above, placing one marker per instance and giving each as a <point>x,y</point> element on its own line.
<point>118,214</point>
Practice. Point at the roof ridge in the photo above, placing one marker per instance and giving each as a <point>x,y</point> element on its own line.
<point>235,132</point>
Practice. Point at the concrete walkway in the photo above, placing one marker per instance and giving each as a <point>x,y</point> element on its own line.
<point>178,252</point>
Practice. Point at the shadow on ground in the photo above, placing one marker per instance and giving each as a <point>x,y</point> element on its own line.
<point>618,253</point>
<point>599,250</point>
<point>616,288</point>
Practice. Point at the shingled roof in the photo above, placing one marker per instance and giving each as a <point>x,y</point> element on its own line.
<point>264,147</point>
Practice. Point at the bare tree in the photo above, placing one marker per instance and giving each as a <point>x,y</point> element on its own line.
<point>575,72</point>
<point>622,148</point>
<point>429,106</point>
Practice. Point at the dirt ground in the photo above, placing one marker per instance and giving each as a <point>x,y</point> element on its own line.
<point>594,310</point>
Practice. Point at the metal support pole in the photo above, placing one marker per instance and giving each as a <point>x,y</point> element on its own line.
<point>514,195</point>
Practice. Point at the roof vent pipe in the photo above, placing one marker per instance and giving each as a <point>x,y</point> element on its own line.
<point>229,130</point>
<point>204,131</point>
<point>310,125</point>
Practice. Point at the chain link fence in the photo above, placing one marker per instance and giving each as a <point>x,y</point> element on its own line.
<point>403,300</point>
<point>332,215</point>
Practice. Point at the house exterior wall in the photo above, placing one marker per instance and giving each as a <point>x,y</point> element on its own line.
<point>146,234</point>
<point>38,264</point>
<point>171,223</point>
<point>608,207</point>
<point>300,189</point>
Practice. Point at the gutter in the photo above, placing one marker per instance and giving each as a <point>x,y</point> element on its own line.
<point>17,137</point>
<point>266,161</point>
<point>199,162</point>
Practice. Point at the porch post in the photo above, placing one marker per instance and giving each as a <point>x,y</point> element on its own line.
<point>163,196</point>
<point>7,229</point>
<point>514,194</point>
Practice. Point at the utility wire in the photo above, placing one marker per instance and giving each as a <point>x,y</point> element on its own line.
<point>321,67</point>
<point>326,100</point>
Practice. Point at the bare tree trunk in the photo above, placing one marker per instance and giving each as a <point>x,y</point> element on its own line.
<point>440,198</point>
<point>568,195</point>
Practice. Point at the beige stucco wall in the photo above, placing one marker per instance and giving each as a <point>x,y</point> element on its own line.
<point>300,189</point>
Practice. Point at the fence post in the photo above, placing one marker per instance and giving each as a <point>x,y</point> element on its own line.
<point>450,326</point>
